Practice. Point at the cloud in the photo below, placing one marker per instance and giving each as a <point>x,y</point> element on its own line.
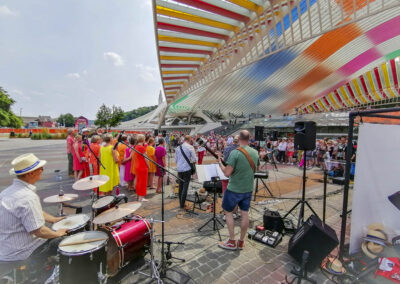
<point>4,10</point>
<point>115,58</point>
<point>147,73</point>
<point>73,75</point>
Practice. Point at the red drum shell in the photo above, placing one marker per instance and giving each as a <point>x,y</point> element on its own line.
<point>126,242</point>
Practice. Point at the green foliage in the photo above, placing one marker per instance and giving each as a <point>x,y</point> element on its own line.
<point>68,118</point>
<point>129,115</point>
<point>107,117</point>
<point>7,117</point>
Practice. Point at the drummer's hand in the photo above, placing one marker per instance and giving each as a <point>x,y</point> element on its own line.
<point>61,232</point>
<point>56,219</point>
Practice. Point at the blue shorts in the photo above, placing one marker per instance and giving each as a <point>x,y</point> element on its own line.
<point>231,199</point>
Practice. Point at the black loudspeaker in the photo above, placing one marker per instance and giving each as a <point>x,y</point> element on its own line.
<point>273,221</point>
<point>155,132</point>
<point>305,134</point>
<point>259,133</point>
<point>317,238</point>
<point>164,133</point>
<point>274,135</point>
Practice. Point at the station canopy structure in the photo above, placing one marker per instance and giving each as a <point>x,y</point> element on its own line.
<point>275,57</point>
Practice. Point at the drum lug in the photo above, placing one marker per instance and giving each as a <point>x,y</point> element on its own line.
<point>91,257</point>
<point>105,248</point>
<point>69,260</point>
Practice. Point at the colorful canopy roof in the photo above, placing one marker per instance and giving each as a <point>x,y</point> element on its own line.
<point>274,56</point>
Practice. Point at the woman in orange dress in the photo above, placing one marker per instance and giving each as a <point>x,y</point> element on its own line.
<point>150,152</point>
<point>141,169</point>
<point>95,146</point>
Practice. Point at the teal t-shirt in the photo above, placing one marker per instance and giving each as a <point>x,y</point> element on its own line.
<point>242,178</point>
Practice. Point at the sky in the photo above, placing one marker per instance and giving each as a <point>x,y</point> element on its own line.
<point>71,56</point>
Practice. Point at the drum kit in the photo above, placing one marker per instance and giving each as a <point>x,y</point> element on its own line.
<point>98,247</point>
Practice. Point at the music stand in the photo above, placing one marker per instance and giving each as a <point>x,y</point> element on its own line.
<point>211,176</point>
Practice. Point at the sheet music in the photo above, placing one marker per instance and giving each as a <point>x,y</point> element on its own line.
<point>206,172</point>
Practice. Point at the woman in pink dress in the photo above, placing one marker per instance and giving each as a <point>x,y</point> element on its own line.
<point>129,177</point>
<point>160,159</point>
<point>78,157</point>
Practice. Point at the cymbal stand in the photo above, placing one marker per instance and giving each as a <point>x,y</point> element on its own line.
<point>162,170</point>
<point>60,193</point>
<point>154,274</point>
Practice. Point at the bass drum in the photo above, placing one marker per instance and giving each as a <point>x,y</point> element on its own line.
<point>127,241</point>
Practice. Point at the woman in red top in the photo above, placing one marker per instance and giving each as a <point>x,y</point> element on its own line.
<point>78,156</point>
<point>141,169</point>
<point>95,146</point>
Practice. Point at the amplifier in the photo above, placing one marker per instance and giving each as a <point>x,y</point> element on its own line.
<point>317,238</point>
<point>273,221</point>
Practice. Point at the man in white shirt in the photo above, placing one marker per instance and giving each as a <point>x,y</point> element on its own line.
<point>282,151</point>
<point>23,233</point>
<point>184,155</point>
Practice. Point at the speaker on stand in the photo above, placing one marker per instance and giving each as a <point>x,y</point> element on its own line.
<point>155,132</point>
<point>259,133</point>
<point>305,134</point>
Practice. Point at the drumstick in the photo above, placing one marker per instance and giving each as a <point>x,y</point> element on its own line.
<point>82,242</point>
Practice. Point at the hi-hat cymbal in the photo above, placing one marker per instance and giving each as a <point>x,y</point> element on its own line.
<point>117,213</point>
<point>60,198</point>
<point>90,182</point>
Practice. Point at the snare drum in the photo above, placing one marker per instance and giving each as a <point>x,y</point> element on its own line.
<point>74,223</point>
<point>81,263</point>
<point>104,203</point>
<point>127,242</point>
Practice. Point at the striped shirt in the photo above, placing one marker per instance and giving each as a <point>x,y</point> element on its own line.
<point>20,214</point>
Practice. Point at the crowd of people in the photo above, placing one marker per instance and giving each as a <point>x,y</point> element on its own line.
<point>94,154</point>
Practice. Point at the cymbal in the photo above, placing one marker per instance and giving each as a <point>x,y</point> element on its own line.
<point>116,213</point>
<point>90,182</point>
<point>60,198</point>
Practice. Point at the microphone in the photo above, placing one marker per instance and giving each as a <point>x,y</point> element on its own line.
<point>118,141</point>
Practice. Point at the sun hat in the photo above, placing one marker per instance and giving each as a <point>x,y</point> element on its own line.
<point>375,240</point>
<point>334,266</point>
<point>26,163</point>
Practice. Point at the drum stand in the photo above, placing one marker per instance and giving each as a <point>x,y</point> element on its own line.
<point>154,274</point>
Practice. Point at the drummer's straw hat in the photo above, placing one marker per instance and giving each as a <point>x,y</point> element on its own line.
<point>372,245</point>
<point>26,163</point>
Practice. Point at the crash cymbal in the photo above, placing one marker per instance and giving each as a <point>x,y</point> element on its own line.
<point>90,182</point>
<point>116,213</point>
<point>60,198</point>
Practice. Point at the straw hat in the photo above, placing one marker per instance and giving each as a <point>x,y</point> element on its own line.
<point>334,266</point>
<point>375,241</point>
<point>26,163</point>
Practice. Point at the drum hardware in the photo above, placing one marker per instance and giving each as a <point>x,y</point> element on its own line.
<point>90,182</point>
<point>117,213</point>
<point>168,253</point>
<point>154,274</point>
<point>60,198</point>
<point>162,170</point>
<point>214,219</point>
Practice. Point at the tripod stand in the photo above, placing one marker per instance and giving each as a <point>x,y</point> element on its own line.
<point>214,219</point>
<point>302,202</point>
<point>162,170</point>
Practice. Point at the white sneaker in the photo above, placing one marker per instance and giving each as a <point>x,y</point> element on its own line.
<point>144,200</point>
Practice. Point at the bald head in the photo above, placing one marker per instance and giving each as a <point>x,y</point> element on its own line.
<point>244,137</point>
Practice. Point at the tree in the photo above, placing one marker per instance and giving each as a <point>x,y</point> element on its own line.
<point>107,117</point>
<point>7,117</point>
<point>68,120</point>
<point>129,115</point>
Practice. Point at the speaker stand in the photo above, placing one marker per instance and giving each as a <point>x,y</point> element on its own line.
<point>302,202</point>
<point>300,273</point>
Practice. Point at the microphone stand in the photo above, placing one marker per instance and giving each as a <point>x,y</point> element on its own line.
<point>98,161</point>
<point>162,169</point>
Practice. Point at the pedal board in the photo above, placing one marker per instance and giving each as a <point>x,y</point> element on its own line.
<point>269,238</point>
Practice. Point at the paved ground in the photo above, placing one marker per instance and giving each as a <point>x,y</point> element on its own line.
<point>205,262</point>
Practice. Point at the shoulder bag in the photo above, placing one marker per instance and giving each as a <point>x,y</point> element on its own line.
<point>192,165</point>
